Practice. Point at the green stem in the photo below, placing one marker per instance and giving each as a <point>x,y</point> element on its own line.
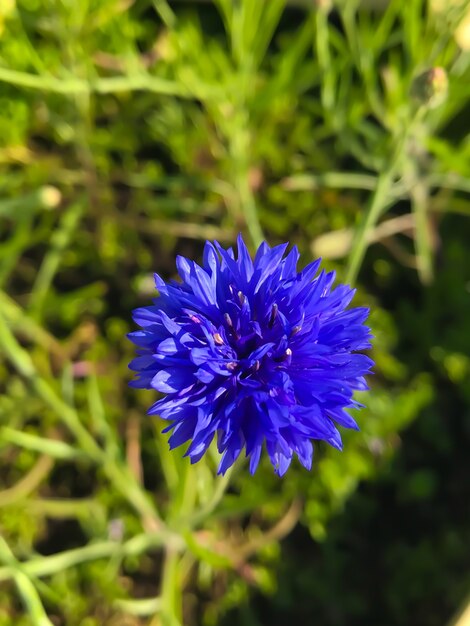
<point>17,319</point>
<point>26,589</point>
<point>183,497</point>
<point>336,180</point>
<point>384,193</point>
<point>119,475</point>
<point>324,59</point>
<point>59,242</point>
<point>164,11</point>
<point>222,485</point>
<point>125,483</point>
<point>68,416</point>
<point>248,206</point>
<point>75,86</point>
<point>27,483</point>
<point>379,202</point>
<point>63,508</point>
<point>243,198</point>
<point>171,596</point>
<point>142,607</point>
<point>55,449</point>
<point>423,238</point>
<point>49,565</point>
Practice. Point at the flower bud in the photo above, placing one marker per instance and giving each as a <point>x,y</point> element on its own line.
<point>430,88</point>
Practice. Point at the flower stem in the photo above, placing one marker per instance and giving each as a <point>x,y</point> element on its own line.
<point>250,211</point>
<point>49,565</point>
<point>379,202</point>
<point>74,86</point>
<point>383,195</point>
<point>221,487</point>
<point>141,607</point>
<point>117,473</point>
<point>171,605</point>
<point>27,591</point>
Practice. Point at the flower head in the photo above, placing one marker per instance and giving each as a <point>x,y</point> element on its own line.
<point>254,352</point>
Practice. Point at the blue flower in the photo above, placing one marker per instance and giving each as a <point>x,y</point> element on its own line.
<point>253,352</point>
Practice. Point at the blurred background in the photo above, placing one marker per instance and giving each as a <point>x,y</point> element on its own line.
<point>134,130</point>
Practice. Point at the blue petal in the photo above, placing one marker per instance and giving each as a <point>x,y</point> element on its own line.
<point>254,352</point>
<point>172,379</point>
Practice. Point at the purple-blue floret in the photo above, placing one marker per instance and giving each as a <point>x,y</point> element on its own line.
<point>254,353</point>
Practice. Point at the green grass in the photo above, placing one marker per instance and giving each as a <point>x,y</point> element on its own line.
<point>131,132</point>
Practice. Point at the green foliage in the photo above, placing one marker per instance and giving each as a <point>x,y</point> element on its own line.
<point>132,131</point>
